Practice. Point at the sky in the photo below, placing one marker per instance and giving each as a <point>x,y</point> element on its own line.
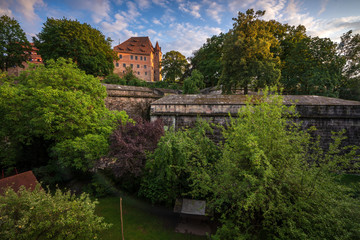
<point>183,25</point>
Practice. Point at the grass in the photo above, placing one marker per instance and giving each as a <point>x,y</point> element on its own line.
<point>140,222</point>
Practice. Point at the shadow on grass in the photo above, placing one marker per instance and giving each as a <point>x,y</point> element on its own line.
<point>141,221</point>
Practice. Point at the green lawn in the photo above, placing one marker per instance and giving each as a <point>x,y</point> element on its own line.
<point>140,221</point>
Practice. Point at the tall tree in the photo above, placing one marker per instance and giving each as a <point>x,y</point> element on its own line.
<point>247,58</point>
<point>174,65</point>
<point>349,50</point>
<point>71,39</point>
<point>207,59</point>
<point>54,113</point>
<point>13,43</point>
<point>312,66</point>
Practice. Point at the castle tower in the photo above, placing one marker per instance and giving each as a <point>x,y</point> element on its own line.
<point>157,62</point>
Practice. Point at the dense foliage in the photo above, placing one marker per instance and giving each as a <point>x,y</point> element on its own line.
<point>247,57</point>
<point>194,83</point>
<point>174,65</point>
<point>349,50</point>
<point>273,182</point>
<point>85,45</point>
<point>129,78</point>
<point>54,113</point>
<point>178,164</point>
<point>129,144</point>
<point>39,214</point>
<point>14,45</point>
<point>207,59</point>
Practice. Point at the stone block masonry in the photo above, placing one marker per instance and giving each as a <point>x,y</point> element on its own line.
<point>326,114</point>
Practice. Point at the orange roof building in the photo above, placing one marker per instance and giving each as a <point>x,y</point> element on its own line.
<point>139,54</point>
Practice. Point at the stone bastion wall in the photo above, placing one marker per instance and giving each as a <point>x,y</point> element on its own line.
<point>326,114</point>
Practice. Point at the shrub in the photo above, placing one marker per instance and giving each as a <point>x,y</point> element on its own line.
<point>179,165</point>
<point>40,215</point>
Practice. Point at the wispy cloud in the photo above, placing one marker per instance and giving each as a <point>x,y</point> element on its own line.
<point>143,4</point>
<point>214,10</point>
<point>323,6</point>
<point>156,21</point>
<point>188,37</point>
<point>27,8</point>
<point>192,8</point>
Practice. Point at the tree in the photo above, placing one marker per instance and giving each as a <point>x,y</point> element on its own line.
<point>174,65</point>
<point>40,215</point>
<point>179,165</point>
<point>70,39</point>
<point>349,50</point>
<point>129,144</point>
<point>194,83</point>
<point>312,66</point>
<point>54,114</point>
<point>13,43</point>
<point>273,181</point>
<point>207,59</point>
<point>247,58</point>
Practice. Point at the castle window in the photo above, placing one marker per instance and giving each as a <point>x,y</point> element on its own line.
<point>131,57</point>
<point>124,65</point>
<point>141,58</point>
<point>138,66</point>
<point>135,57</point>
<point>120,56</point>
<point>145,73</point>
<point>144,58</point>
<point>131,65</point>
<point>138,73</point>
<point>117,64</point>
<point>145,66</point>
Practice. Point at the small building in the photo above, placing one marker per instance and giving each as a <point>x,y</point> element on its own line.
<point>139,54</point>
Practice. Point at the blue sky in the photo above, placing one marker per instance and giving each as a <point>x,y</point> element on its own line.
<point>184,25</point>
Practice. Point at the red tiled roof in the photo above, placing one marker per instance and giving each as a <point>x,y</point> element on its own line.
<point>136,45</point>
<point>26,179</point>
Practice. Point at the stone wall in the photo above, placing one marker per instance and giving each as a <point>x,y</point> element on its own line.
<point>134,100</point>
<point>326,114</point>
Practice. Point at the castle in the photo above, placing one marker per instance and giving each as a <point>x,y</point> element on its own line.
<point>139,54</point>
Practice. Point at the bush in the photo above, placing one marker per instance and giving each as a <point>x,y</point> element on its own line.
<point>114,79</point>
<point>179,165</point>
<point>273,182</point>
<point>194,83</point>
<point>40,215</point>
<point>129,145</point>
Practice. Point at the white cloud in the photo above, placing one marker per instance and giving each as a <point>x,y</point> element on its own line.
<point>190,7</point>
<point>151,32</point>
<point>99,8</point>
<point>132,12</point>
<point>119,24</point>
<point>156,21</point>
<point>214,10</point>
<point>27,8</point>
<point>143,4</point>
<point>5,7</point>
<point>188,37</point>
<point>323,6</point>
<point>236,5</point>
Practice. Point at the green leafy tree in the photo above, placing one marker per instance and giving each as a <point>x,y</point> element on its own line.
<point>207,59</point>
<point>349,50</point>
<point>13,43</point>
<point>194,83</point>
<point>39,214</point>
<point>273,182</point>
<point>70,39</point>
<point>312,66</point>
<point>247,58</point>
<point>54,113</point>
<point>179,164</point>
<point>173,65</point>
